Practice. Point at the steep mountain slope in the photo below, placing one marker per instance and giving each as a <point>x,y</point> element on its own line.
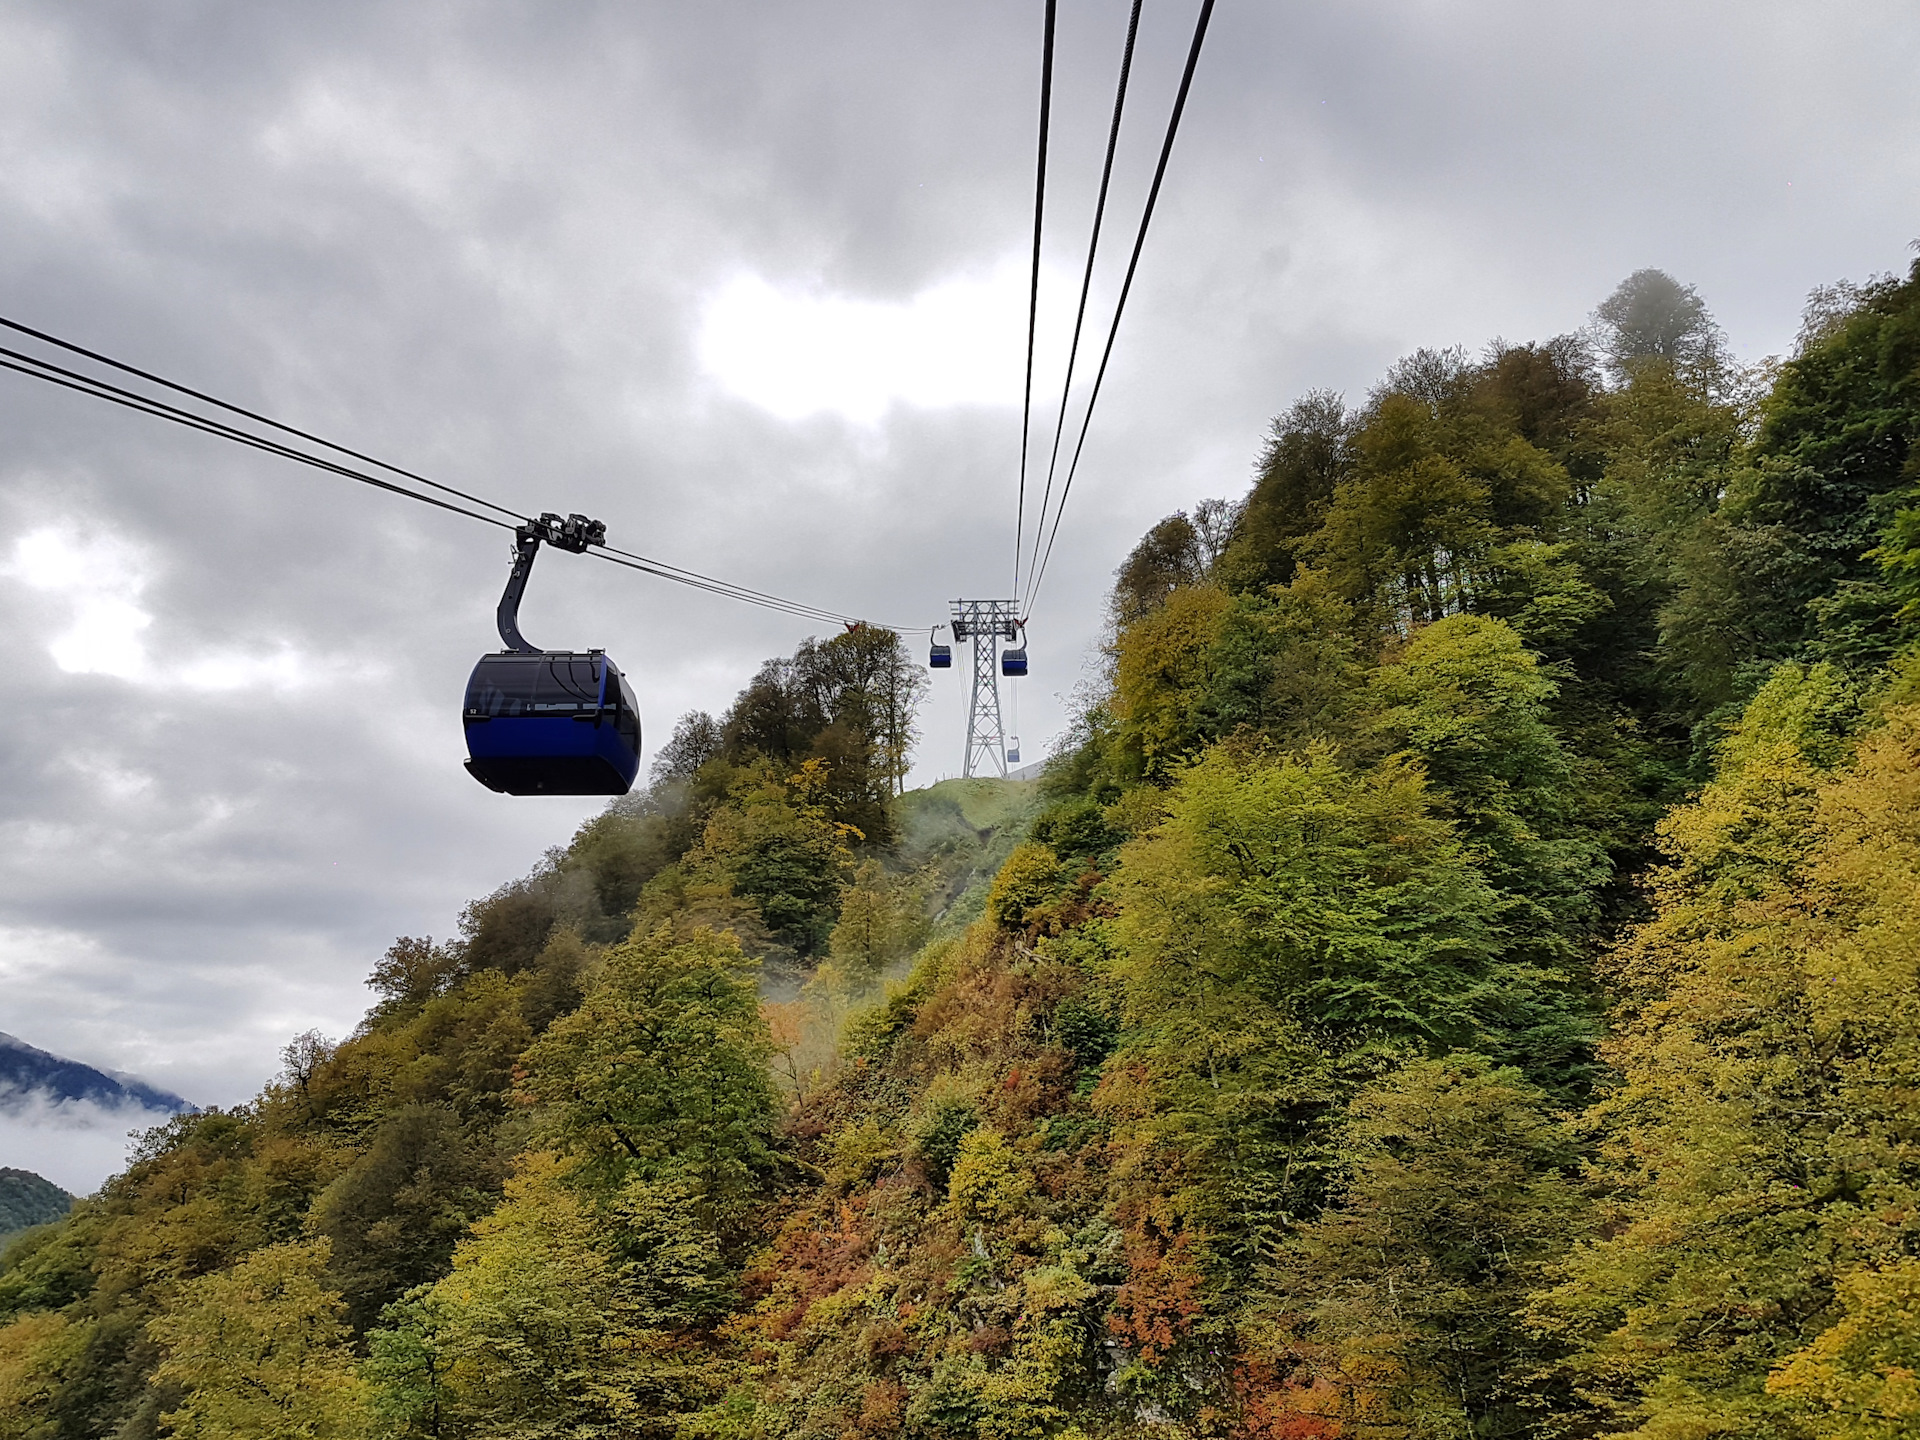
<point>1455,981</point>
<point>962,831</point>
<point>27,1072</point>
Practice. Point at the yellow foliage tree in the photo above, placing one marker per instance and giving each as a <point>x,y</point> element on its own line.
<point>34,1352</point>
<point>1161,658</point>
<point>986,1186</point>
<point>260,1351</point>
<point>1763,1132</point>
<point>1027,882</point>
<point>541,1329</point>
<point>1860,1380</point>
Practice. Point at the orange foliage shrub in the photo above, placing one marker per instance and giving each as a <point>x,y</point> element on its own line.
<point>884,1410</point>
<point>1273,1408</point>
<point>819,1251</point>
<point>1156,1306</point>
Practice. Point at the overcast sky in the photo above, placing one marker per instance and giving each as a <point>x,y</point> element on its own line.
<point>747,282</point>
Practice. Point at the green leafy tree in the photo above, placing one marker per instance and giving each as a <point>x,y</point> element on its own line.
<point>662,1072</point>
<point>1286,919</point>
<point>1164,659</point>
<point>1307,455</point>
<point>1403,535</point>
<point>1029,881</point>
<point>1469,701</point>
<point>1789,570</point>
<point>849,701</point>
<point>393,1217</point>
<point>1416,1282</point>
<point>1652,317</point>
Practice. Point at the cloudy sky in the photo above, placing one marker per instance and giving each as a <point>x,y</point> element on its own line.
<point>746,281</point>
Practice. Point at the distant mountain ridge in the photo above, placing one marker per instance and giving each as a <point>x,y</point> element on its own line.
<point>26,1200</point>
<point>28,1071</point>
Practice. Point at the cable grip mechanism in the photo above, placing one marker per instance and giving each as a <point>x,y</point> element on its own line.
<point>573,533</point>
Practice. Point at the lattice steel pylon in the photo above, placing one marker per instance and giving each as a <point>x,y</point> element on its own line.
<point>984,624</point>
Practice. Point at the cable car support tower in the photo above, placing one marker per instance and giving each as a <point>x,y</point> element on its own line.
<point>984,624</point>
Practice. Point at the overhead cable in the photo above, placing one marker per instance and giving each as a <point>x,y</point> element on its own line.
<point>737,592</point>
<point>42,369</point>
<point>146,405</point>
<point>251,415</point>
<point>1033,291</point>
<point>1086,281</point>
<point>160,410</point>
<point>1133,263</point>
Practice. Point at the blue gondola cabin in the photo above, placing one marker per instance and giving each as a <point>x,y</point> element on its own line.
<point>551,723</point>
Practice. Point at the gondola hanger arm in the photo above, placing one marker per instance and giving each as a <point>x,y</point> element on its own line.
<point>573,533</point>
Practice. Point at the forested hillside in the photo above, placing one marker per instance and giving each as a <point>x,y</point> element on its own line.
<point>26,1200</point>
<point>1457,979</point>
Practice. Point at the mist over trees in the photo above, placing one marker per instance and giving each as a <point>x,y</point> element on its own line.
<point>1654,319</point>
<point>1455,979</point>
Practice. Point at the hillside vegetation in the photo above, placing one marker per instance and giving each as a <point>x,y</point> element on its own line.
<point>1457,979</point>
<point>27,1200</point>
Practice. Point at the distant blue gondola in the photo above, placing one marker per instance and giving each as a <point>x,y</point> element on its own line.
<point>549,722</point>
<point>940,657</point>
<point>1013,662</point>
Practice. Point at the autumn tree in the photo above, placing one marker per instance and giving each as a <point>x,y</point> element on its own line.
<point>849,701</point>
<point>1461,1194</point>
<point>882,921</point>
<point>1180,550</point>
<point>559,1317</point>
<point>661,1073</point>
<point>260,1351</point>
<point>1758,1146</point>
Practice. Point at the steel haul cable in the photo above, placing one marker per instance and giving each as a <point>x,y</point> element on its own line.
<point>99,389</point>
<point>1133,263</point>
<point>1033,291</point>
<point>159,410</point>
<point>146,405</point>
<point>1086,284</point>
<point>249,414</point>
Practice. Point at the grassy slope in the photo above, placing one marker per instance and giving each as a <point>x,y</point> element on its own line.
<point>962,830</point>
